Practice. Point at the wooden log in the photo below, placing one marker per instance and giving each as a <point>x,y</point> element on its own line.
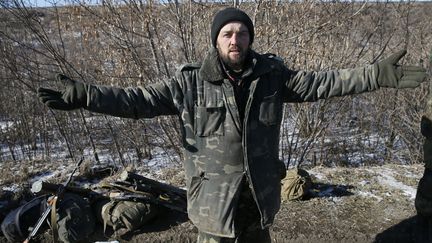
<point>147,182</point>
<point>47,187</point>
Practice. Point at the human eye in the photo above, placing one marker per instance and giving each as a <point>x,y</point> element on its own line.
<point>244,33</point>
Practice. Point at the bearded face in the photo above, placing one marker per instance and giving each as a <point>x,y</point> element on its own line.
<point>232,44</point>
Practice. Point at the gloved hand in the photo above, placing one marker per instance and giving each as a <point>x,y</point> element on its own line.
<point>392,75</point>
<point>423,200</point>
<point>73,96</point>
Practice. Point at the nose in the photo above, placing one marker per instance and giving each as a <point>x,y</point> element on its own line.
<point>234,39</point>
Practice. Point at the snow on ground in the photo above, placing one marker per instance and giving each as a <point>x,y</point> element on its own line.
<point>390,181</point>
<point>386,176</point>
<point>6,124</point>
<point>369,194</point>
<point>60,166</point>
<point>372,181</point>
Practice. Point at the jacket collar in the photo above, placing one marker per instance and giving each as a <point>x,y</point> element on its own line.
<point>212,71</point>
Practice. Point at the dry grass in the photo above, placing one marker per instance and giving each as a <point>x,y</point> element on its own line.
<point>356,208</point>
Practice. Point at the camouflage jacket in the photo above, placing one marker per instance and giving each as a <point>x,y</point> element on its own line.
<point>219,151</point>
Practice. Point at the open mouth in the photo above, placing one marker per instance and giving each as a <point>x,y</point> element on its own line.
<point>234,51</point>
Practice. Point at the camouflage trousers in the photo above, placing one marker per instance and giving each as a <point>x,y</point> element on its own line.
<point>247,223</point>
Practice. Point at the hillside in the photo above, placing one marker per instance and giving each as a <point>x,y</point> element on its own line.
<point>359,148</point>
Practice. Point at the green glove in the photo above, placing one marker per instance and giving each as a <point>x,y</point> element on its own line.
<point>392,75</point>
<point>73,96</point>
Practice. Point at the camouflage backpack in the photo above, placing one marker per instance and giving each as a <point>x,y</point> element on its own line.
<point>75,219</point>
<point>73,222</point>
<point>296,184</point>
<point>126,215</point>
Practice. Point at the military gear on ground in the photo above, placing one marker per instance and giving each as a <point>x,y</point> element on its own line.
<point>16,224</point>
<point>126,216</point>
<point>296,184</point>
<point>47,187</point>
<point>164,194</point>
<point>75,219</point>
<point>220,150</point>
<point>51,208</point>
<point>97,207</point>
<point>391,74</point>
<point>73,96</point>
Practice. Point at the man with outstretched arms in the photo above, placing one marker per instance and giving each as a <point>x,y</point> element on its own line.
<point>230,111</point>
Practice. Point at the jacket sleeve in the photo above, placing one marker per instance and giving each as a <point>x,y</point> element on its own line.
<point>311,86</point>
<point>137,102</point>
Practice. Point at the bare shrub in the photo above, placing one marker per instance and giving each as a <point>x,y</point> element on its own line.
<point>142,42</point>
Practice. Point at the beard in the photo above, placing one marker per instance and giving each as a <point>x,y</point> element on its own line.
<point>235,62</point>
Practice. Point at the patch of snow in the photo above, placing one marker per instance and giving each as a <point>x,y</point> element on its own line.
<point>12,188</point>
<point>364,183</point>
<point>317,175</point>
<point>368,194</point>
<point>42,177</point>
<point>336,199</point>
<point>6,124</point>
<point>409,174</point>
<point>388,180</point>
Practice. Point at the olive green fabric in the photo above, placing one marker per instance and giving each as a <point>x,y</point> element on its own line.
<point>73,96</point>
<point>126,216</point>
<point>219,149</point>
<point>391,74</point>
<point>296,184</point>
<point>247,222</point>
<point>75,220</point>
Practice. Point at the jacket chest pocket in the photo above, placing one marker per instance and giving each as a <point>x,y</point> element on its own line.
<point>209,120</point>
<point>270,110</point>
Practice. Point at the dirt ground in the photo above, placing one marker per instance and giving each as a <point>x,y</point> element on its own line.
<point>367,204</point>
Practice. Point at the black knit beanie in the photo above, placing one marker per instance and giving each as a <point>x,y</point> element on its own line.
<point>229,15</point>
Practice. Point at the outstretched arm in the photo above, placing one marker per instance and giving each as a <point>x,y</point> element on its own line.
<point>138,102</point>
<point>311,86</point>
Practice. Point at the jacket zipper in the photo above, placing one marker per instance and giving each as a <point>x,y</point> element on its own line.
<point>244,141</point>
